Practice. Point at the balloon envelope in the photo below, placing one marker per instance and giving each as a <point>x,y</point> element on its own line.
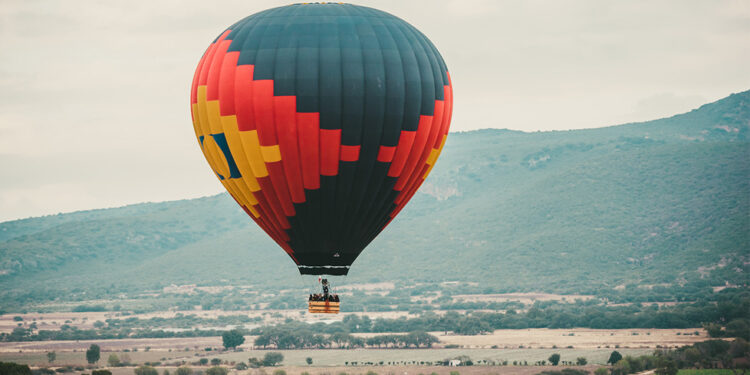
<point>322,121</point>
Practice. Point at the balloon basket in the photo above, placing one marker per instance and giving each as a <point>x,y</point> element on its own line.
<point>323,307</point>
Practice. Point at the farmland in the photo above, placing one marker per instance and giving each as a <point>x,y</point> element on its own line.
<point>329,357</point>
<point>502,345</point>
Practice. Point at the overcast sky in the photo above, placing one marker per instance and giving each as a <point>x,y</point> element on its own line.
<point>94,94</point>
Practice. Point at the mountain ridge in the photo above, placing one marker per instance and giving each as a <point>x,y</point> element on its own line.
<point>565,211</point>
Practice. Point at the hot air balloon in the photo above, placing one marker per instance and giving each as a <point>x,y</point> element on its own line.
<point>321,120</point>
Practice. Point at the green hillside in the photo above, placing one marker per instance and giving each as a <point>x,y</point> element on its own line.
<point>664,203</point>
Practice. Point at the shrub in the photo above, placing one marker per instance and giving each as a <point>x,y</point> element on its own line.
<point>113,360</point>
<point>11,368</point>
<point>567,371</point>
<point>146,370</point>
<point>272,359</point>
<point>217,370</point>
<point>554,359</point>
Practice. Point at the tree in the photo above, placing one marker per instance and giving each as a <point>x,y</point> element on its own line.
<point>217,370</point>
<point>125,359</point>
<point>622,367</point>
<point>565,371</point>
<point>666,366</point>
<point>601,371</point>
<point>203,361</point>
<point>101,372</point>
<point>554,359</point>
<point>93,354</point>
<point>581,361</point>
<point>51,356</point>
<point>11,368</point>
<point>166,372</point>
<point>215,361</point>
<point>254,362</point>
<point>738,328</point>
<point>272,359</point>
<point>146,370</point>
<point>232,339</point>
<point>714,330</point>
<point>614,357</point>
<point>241,366</point>
<point>184,370</point>
<point>113,360</point>
<point>308,360</point>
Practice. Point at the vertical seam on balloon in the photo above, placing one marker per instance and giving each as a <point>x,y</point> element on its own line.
<point>384,188</point>
<point>267,214</point>
<point>414,181</point>
<point>272,170</point>
<point>415,155</point>
<point>386,208</point>
<point>287,163</point>
<point>294,177</point>
<point>349,233</point>
<point>276,216</point>
<point>231,131</point>
<point>347,212</point>
<point>342,221</point>
<point>213,116</point>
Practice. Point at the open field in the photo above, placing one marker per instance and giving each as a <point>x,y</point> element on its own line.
<point>578,338</point>
<point>336,357</point>
<point>525,298</point>
<point>382,370</point>
<point>706,371</point>
<point>330,357</point>
<point>511,345</point>
<point>539,338</point>
<point>86,320</point>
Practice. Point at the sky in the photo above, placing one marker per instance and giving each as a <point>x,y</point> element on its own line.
<point>94,95</point>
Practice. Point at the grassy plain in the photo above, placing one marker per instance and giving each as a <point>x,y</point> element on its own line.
<point>503,345</point>
<point>381,370</point>
<point>706,371</point>
<point>330,357</point>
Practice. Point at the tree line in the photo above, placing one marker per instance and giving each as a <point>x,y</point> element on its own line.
<point>728,316</point>
<point>296,335</point>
